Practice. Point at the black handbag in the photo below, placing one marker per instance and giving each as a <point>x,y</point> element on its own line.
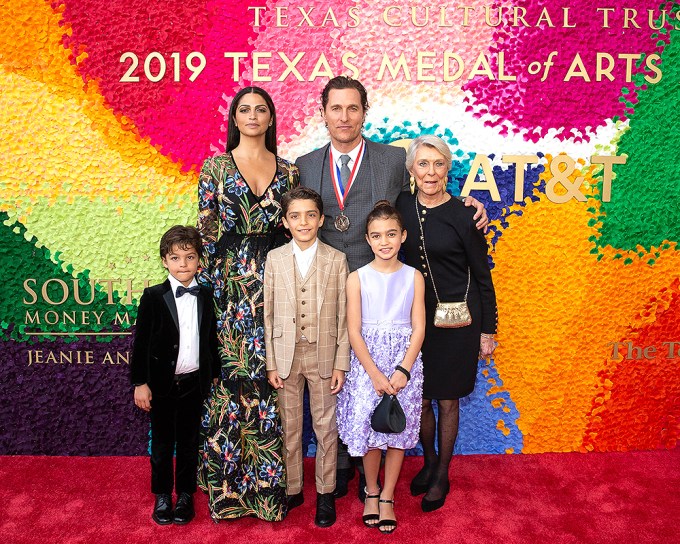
<point>388,416</point>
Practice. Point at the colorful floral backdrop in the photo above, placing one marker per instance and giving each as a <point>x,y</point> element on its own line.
<point>93,170</point>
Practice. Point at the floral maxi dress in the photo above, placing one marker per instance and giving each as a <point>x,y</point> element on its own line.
<point>241,451</point>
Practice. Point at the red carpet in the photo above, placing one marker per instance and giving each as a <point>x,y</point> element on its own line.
<point>553,498</point>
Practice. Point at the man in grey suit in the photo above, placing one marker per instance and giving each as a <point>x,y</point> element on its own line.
<point>378,170</point>
<point>373,172</point>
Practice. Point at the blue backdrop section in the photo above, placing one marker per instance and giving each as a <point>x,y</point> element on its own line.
<point>481,412</point>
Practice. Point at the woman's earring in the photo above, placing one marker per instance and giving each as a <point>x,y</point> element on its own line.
<point>270,123</point>
<point>412,185</point>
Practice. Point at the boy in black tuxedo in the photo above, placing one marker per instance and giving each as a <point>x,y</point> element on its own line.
<point>174,359</point>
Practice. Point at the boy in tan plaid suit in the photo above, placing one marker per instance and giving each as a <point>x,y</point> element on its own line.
<point>306,340</point>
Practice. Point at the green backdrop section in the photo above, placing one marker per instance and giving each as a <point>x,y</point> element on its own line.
<point>125,233</point>
<point>43,279</point>
<point>649,217</point>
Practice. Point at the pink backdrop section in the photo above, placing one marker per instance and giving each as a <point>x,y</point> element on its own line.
<point>574,108</point>
<point>184,119</point>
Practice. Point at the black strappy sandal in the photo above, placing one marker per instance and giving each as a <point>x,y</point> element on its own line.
<point>371,517</point>
<point>390,524</point>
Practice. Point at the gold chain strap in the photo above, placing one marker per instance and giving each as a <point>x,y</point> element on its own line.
<point>429,269</point>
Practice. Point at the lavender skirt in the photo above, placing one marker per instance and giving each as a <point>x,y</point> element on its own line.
<point>358,399</point>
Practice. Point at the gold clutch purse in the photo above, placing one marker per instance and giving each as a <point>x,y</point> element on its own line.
<point>447,315</point>
<point>452,315</point>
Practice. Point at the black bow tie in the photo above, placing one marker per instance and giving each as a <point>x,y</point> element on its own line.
<point>191,290</point>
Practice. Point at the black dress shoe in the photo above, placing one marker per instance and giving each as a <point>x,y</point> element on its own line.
<point>325,510</point>
<point>184,509</point>
<point>295,500</point>
<point>162,510</point>
<point>342,478</point>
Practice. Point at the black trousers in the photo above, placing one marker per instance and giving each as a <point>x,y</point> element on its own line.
<point>175,423</point>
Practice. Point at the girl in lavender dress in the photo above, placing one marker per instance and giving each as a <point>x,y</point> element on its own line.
<point>386,324</point>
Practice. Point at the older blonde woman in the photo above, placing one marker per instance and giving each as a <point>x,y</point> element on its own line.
<point>444,244</point>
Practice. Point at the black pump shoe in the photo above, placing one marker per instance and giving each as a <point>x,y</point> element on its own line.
<point>436,504</point>
<point>421,481</point>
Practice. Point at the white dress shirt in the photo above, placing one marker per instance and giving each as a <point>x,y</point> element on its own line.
<point>187,313</point>
<point>304,257</point>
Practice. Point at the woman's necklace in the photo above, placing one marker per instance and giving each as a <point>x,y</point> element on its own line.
<point>443,199</point>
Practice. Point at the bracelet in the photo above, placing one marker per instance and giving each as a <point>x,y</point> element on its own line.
<point>489,336</point>
<point>403,371</point>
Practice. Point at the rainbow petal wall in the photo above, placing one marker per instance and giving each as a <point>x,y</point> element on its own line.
<point>93,170</point>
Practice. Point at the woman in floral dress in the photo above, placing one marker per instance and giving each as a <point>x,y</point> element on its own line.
<point>239,219</point>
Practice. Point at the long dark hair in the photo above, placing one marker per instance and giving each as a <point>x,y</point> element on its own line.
<point>233,134</point>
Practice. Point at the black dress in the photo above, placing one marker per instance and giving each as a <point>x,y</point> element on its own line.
<point>453,245</point>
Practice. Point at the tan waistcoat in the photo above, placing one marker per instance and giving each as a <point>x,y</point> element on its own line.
<point>305,315</point>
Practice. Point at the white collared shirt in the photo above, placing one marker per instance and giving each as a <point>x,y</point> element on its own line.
<point>304,257</point>
<point>353,157</point>
<point>187,314</point>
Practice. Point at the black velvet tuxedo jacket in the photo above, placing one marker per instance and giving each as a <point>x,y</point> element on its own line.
<point>156,343</point>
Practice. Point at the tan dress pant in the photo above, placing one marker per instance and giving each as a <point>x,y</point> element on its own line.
<point>322,406</point>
